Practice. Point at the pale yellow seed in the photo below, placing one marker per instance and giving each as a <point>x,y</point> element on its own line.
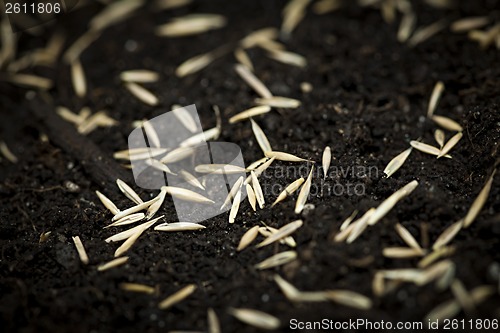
<point>142,93</point>
<point>252,112</point>
<point>177,297</point>
<point>137,288</point>
<point>447,235</point>
<point>281,156</point>
<point>436,95</point>
<point>408,238</point>
<point>447,123</point>
<point>479,202</point>
<point>278,259</point>
<point>397,162</point>
<point>257,190</point>
<point>283,232</point>
<point>78,79</point>
<point>450,144</point>
<point>248,238</point>
<point>326,160</point>
<point>256,318</point>
<point>245,73</point>
<point>81,250</point>
<point>304,193</point>
<point>235,206</point>
<point>113,263</point>
<point>439,137</point>
<point>252,199</point>
<point>279,102</point>
<point>243,58</point>
<point>261,137</point>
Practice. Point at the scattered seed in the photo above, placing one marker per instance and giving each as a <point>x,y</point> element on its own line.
<point>232,193</point>
<point>111,264</point>
<point>391,201</point>
<point>151,134</point>
<point>129,242</point>
<point>191,25</point>
<point>153,209</point>
<point>252,199</point>
<point>132,218</point>
<point>348,220</point>
<point>219,169</point>
<point>261,168</point>
<point>243,58</point>
<point>401,252</point>
<point>258,36</point>
<point>194,64</point>
<point>210,134</point>
<point>279,102</point>
<point>327,159</point>
<point>187,195</point>
<point>343,234</point>
<point>248,238</point>
<point>159,166</point>
<point>447,123</point>
<point>171,4</point>
<point>82,43</point>
<point>322,7</point>
<point>447,235</point>
<point>283,232</point>
<point>359,226</point>
<point>462,296</point>
<point>96,120</point>
<point>290,292</point>
<point>178,154</point>
<point>81,250</point>
<point>293,13</point>
<point>179,226</point>
<point>129,192</point>
<point>114,13</point>
<point>436,95</point>
<point>287,240</point>
<point>424,33</point>
<point>69,116</point>
<point>304,193</point>
<point>139,76</point>
<point>135,154</point>
<point>213,322</point>
<point>185,118</point>
<point>78,79</point>
<point>127,233</point>
<point>252,112</point>
<point>479,202</point>
<point>436,255</point>
<point>142,93</point>
<point>485,38</point>
<point>7,153</point>
<point>408,238</point>
<point>446,310</point>
<point>289,190</point>
<point>235,206</point>
<point>257,190</point>
<point>425,148</point>
<point>350,298</point>
<point>469,23</point>
<point>406,26</point>
<point>278,259</point>
<point>29,81</point>
<point>271,45</point>
<point>439,137</point>
<point>191,179</point>
<point>435,272</point>
<point>177,297</point>
<point>256,84</point>
<point>256,318</point>
<point>138,288</point>
<point>281,156</point>
<point>255,164</point>
<point>450,144</point>
<point>397,162</point>
<point>261,137</point>
<point>288,58</point>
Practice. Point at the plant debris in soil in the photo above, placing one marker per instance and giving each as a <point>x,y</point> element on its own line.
<point>321,96</point>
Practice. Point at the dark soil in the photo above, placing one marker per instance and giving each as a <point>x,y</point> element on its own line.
<point>369,100</point>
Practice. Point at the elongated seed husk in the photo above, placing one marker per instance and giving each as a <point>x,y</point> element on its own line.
<point>252,81</point>
<point>278,259</point>
<point>326,160</point>
<point>289,190</point>
<point>469,23</point>
<point>134,209</point>
<point>151,134</point>
<point>447,235</point>
<point>436,255</point>
<point>283,232</point>
<point>137,287</point>
<point>279,102</point>
<point>113,263</point>
<point>447,123</point>
<point>284,156</point>
<point>127,233</point>
<point>191,179</point>
<point>142,93</point>
<point>81,250</point>
<point>78,79</point>
<point>261,137</point>
<point>350,298</point>
<point>260,169</point>
<point>348,220</point>
<point>129,242</point>
<point>210,134</point>
<point>391,201</point>
<point>243,58</point>
<point>462,296</point>
<point>235,206</point>
<point>436,94</point>
<point>187,195</point>
<point>185,118</point>
<point>257,190</point>
<point>288,58</point>
<point>479,202</point>
<point>194,64</point>
<point>252,112</point>
<point>422,34</point>
<point>359,226</point>
<point>213,321</point>
<point>159,166</point>
<point>232,193</point>
<point>178,154</point>
<point>401,252</point>
<point>425,148</point>
<point>256,164</point>
<point>219,169</point>
<point>256,318</point>
<point>304,193</point>
<point>139,153</point>
<point>408,238</point>
<point>439,137</point>
<point>107,203</point>
<point>287,288</point>
<point>248,238</point>
<point>252,199</point>
<point>450,144</point>
<point>179,226</point>
<point>177,297</point>
<point>191,25</point>
<point>287,240</point>
<point>397,162</point>
<point>153,209</point>
<point>139,76</point>
<point>129,192</point>
<point>129,219</point>
<point>257,36</point>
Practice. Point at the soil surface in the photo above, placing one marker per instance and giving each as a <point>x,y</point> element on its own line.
<point>369,99</point>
